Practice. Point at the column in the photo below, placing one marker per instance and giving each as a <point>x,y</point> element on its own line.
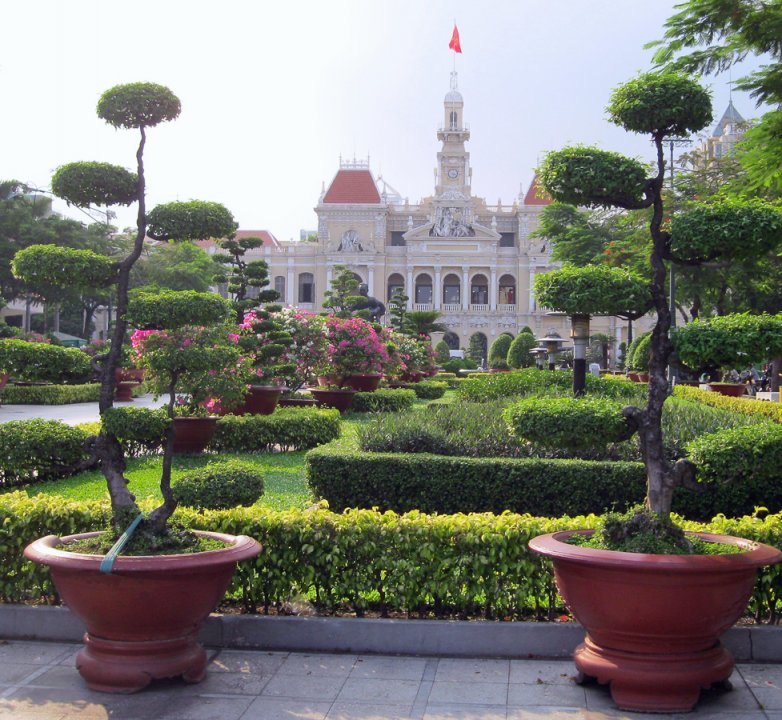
<point>371,279</point>
<point>493,289</point>
<point>465,287</point>
<point>438,291</point>
<point>290,290</point>
<point>410,289</point>
<point>532,289</point>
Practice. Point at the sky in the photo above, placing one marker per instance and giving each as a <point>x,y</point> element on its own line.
<point>274,92</point>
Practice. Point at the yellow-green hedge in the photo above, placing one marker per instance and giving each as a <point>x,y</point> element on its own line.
<point>772,410</point>
<point>435,564</point>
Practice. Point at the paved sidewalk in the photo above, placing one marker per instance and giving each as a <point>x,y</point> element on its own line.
<point>38,682</point>
<point>74,413</point>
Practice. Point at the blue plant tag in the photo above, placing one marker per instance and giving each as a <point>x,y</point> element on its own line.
<point>107,563</point>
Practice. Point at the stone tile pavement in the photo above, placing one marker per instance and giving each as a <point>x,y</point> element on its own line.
<point>38,681</point>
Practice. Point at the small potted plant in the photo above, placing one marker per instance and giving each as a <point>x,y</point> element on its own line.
<point>306,352</point>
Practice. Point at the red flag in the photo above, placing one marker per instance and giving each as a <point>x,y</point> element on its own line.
<point>454,44</point>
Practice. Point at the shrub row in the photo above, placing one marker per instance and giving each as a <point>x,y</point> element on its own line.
<point>49,394</point>
<point>36,450</point>
<point>771,410</point>
<point>41,362</point>
<point>432,564</point>
<point>347,477</point>
<point>383,400</point>
<point>429,389</point>
<point>531,381</point>
<point>286,429</point>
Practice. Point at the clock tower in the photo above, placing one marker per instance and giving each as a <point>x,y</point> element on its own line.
<point>452,203</point>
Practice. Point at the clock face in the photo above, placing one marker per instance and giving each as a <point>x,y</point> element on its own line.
<point>453,173</point>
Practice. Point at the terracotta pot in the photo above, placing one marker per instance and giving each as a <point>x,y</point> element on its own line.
<point>339,399</point>
<point>123,391</point>
<point>325,380</point>
<point>129,375</point>
<point>142,620</point>
<point>363,383</point>
<point>192,434</point>
<point>633,376</point>
<point>653,622</point>
<point>642,377</point>
<point>260,400</point>
<point>729,389</point>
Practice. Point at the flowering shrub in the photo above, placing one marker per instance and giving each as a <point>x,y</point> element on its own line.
<point>265,342</point>
<point>352,348</point>
<point>307,350</point>
<point>196,364</point>
<point>413,355</point>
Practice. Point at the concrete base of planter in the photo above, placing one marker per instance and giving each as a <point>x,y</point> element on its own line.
<point>748,643</point>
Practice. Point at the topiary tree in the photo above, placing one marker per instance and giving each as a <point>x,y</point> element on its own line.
<point>244,275</point>
<point>519,351</point>
<point>136,106</point>
<point>642,353</point>
<point>442,353</point>
<point>498,352</point>
<point>343,293</point>
<point>661,106</point>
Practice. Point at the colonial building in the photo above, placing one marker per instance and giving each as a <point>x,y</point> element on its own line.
<point>452,252</point>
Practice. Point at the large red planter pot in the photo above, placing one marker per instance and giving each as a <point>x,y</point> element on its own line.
<point>363,383</point>
<point>123,390</point>
<point>142,620</point>
<point>297,402</point>
<point>192,434</point>
<point>260,400</point>
<point>729,389</point>
<point>653,622</point>
<point>339,399</point>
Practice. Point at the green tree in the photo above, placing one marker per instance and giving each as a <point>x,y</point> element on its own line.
<point>519,351</point>
<point>397,309</point>
<point>442,353</point>
<point>246,280</point>
<point>498,352</point>
<point>710,37</point>
<point>343,293</point>
<point>422,323</point>
<point>476,348</point>
<point>176,266</point>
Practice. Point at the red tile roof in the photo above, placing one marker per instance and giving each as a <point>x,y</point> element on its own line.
<point>536,195</point>
<point>354,187</point>
<point>268,238</point>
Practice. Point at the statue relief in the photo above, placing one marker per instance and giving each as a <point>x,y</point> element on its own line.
<point>350,242</point>
<point>448,222</point>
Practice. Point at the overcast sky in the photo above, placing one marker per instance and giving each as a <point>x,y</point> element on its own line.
<point>274,91</point>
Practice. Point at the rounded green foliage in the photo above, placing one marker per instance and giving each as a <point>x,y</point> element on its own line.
<point>37,450</point>
<point>135,424</point>
<point>429,389</point>
<point>171,309</point>
<point>384,400</point>
<point>573,423</point>
<point>40,362</point>
<point>442,352</point>
<point>661,104</point>
<point>192,220</point>
<point>729,340</point>
<point>593,290</point>
<point>519,351</point>
<point>631,349</point>
<point>220,485</point>
<point>591,177</point>
<point>138,105</point>
<point>498,352</point>
<point>63,267</point>
<point>726,228</point>
<point>642,353</point>
<point>95,183</point>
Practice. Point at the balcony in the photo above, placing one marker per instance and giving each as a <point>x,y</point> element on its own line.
<point>479,307</point>
<point>423,306</point>
<point>451,307</point>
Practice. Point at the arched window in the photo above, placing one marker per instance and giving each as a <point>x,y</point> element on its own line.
<point>395,282</point>
<point>451,339</point>
<point>423,289</point>
<point>454,120</point>
<point>507,291</point>
<point>306,288</point>
<point>451,290</point>
<point>479,290</point>
<point>279,286</point>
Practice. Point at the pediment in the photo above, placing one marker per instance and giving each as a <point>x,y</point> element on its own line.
<point>424,232</point>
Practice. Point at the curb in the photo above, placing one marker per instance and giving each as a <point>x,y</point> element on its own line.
<point>444,638</point>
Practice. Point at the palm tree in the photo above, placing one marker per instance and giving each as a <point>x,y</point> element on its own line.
<point>423,323</point>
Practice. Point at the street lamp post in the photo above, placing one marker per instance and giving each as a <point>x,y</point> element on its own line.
<point>580,334</point>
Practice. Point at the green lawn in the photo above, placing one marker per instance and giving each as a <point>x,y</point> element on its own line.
<point>285,484</point>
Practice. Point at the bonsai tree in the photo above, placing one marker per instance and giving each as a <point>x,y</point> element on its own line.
<point>137,106</point>
<point>728,341</point>
<point>343,293</point>
<point>498,352</point>
<point>660,106</point>
<point>244,275</point>
<point>592,290</point>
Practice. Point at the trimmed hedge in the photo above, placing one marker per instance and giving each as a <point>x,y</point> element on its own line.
<point>286,429</point>
<point>49,394</point>
<point>429,389</point>
<point>41,362</point>
<point>347,477</point>
<point>383,400</point>
<point>771,410</point>
<point>36,450</point>
<point>139,430</point>
<point>441,565</point>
